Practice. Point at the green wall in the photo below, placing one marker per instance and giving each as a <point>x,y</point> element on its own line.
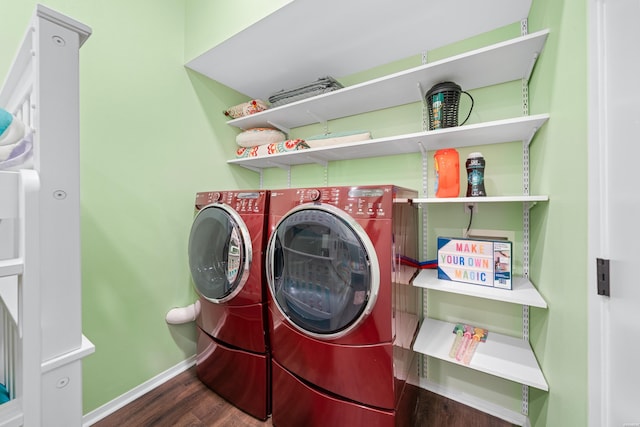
<point>559,228</point>
<point>147,146</point>
<point>153,134</point>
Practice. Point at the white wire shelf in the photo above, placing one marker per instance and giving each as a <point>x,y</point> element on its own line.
<point>501,355</point>
<point>498,63</point>
<point>523,291</point>
<point>494,132</point>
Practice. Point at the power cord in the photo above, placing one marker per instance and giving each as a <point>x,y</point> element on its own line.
<point>466,234</point>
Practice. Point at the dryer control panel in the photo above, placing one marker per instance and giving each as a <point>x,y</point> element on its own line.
<point>365,201</point>
<point>241,201</point>
<point>359,202</point>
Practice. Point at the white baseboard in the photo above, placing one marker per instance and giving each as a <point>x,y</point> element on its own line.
<point>122,400</point>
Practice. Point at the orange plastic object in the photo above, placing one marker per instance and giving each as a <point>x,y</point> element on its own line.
<point>447,164</point>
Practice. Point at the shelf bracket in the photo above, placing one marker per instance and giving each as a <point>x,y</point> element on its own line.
<point>323,122</point>
<point>421,94</point>
<point>280,127</point>
<point>531,135</point>
<point>280,165</point>
<point>530,138</point>
<point>533,63</point>
<point>317,160</point>
<point>425,107</point>
<point>254,169</point>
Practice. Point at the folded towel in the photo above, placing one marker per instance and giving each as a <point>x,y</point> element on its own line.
<point>334,138</point>
<point>320,86</point>
<point>12,130</point>
<point>5,120</point>
<point>273,148</point>
<point>4,394</point>
<point>5,151</point>
<point>19,155</point>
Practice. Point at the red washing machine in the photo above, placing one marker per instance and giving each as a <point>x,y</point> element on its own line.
<point>226,258</point>
<point>339,298</point>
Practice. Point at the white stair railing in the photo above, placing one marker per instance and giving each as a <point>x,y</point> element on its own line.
<point>20,313</point>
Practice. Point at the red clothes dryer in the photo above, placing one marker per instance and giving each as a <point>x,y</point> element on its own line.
<point>226,253</point>
<point>337,292</point>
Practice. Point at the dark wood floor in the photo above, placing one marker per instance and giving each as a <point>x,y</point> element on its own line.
<point>185,402</point>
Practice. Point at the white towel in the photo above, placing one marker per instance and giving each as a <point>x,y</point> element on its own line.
<point>19,156</point>
<point>13,133</point>
<point>5,151</point>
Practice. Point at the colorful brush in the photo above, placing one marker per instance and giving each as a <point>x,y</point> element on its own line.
<point>479,334</point>
<point>466,339</point>
<point>459,331</point>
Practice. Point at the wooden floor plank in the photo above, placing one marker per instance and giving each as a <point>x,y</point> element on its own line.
<point>184,401</point>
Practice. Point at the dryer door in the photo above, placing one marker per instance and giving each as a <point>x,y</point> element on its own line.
<point>322,270</point>
<point>219,253</point>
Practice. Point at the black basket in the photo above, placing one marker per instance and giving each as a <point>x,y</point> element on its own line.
<point>443,101</point>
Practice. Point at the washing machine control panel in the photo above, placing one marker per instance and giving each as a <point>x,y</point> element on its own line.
<point>241,201</point>
<point>314,194</point>
<point>207,198</point>
<point>322,195</point>
<point>367,203</point>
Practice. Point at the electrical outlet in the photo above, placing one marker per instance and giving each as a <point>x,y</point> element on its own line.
<point>469,205</point>
<point>476,233</point>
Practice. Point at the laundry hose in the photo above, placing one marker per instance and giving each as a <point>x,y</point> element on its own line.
<point>181,315</point>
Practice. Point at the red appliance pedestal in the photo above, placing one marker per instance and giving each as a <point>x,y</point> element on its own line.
<point>297,404</point>
<point>246,386</point>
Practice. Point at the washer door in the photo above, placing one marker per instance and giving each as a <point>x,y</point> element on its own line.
<point>322,270</point>
<point>219,253</point>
